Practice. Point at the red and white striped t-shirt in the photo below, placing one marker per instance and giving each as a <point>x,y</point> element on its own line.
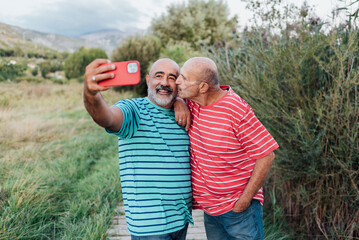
<point>226,139</point>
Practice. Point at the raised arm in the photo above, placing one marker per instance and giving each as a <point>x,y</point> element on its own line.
<point>105,116</point>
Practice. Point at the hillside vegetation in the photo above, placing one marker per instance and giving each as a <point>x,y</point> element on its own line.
<point>11,38</point>
<point>29,40</point>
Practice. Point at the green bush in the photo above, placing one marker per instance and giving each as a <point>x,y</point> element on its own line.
<point>143,48</point>
<point>50,66</point>
<point>34,55</point>
<point>303,85</point>
<point>76,63</point>
<point>10,71</point>
<point>59,80</point>
<point>198,23</point>
<point>35,71</point>
<point>179,52</point>
<point>7,52</point>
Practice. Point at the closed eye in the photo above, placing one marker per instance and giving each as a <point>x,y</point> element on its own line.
<point>183,77</point>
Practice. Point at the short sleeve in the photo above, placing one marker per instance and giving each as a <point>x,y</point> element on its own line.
<point>189,104</point>
<point>254,137</point>
<point>131,118</point>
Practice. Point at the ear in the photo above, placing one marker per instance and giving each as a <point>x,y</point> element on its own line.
<point>203,87</point>
<point>147,78</point>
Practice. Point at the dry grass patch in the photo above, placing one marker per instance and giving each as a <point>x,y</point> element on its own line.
<point>37,113</point>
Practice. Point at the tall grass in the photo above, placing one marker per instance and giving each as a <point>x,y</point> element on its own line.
<point>59,175</point>
<point>303,86</point>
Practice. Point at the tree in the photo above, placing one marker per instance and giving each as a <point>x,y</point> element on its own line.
<point>49,66</point>
<point>76,63</point>
<point>143,48</point>
<point>44,68</point>
<point>35,71</point>
<point>197,23</point>
<point>179,52</point>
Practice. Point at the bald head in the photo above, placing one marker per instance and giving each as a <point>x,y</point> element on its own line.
<point>205,68</point>
<point>165,61</point>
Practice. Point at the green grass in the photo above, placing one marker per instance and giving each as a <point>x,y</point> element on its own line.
<point>68,193</point>
<point>59,176</point>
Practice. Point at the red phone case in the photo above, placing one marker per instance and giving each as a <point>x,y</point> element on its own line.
<point>126,73</point>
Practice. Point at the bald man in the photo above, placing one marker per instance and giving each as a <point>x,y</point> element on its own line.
<point>153,151</point>
<point>231,154</point>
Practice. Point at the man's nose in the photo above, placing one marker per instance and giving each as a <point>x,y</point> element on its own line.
<point>165,81</point>
<point>178,81</point>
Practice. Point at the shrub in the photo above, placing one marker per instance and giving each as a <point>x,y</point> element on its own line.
<point>304,87</point>
<point>179,52</point>
<point>58,80</point>
<point>35,71</point>
<point>143,48</point>
<point>6,52</point>
<point>76,63</point>
<point>34,55</point>
<point>197,22</point>
<point>9,71</point>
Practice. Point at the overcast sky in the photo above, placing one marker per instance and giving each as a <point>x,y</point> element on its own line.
<point>76,17</point>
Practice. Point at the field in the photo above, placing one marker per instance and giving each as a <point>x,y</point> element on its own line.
<point>59,175</point>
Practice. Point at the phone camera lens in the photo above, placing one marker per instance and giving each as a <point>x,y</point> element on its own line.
<point>132,67</point>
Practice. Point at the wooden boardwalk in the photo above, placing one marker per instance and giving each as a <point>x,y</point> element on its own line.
<point>118,230</point>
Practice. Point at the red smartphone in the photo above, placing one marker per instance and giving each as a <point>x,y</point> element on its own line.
<point>126,73</point>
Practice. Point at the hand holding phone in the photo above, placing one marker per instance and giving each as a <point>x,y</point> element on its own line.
<point>126,73</point>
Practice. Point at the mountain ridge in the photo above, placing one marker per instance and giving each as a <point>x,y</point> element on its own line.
<point>106,39</point>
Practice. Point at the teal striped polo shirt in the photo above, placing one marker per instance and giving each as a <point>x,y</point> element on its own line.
<point>154,167</point>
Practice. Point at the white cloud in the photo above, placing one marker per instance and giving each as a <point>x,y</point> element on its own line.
<point>75,17</point>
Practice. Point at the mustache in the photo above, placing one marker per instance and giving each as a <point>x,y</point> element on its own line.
<point>166,88</point>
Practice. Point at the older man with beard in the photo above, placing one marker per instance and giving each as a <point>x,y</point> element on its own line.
<point>153,151</point>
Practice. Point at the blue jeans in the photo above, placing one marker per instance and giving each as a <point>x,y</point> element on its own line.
<point>178,235</point>
<point>231,225</point>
